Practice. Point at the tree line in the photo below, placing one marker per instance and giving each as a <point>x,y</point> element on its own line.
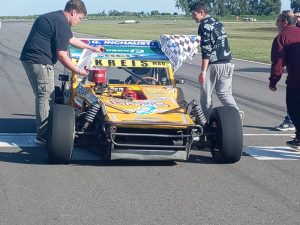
<point>134,14</point>
<point>295,4</point>
<point>237,7</point>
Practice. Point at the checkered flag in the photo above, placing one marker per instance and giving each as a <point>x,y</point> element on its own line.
<point>178,47</point>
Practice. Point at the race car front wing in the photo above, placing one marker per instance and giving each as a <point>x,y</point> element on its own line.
<point>152,144</point>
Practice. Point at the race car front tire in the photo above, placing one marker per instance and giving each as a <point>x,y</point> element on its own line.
<point>227,143</point>
<point>61,134</point>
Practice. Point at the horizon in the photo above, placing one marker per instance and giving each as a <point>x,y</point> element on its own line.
<point>33,7</point>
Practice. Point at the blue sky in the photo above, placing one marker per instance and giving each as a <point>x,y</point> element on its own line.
<point>30,7</point>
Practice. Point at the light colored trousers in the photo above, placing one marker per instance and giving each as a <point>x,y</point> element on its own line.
<point>218,77</point>
<point>41,78</point>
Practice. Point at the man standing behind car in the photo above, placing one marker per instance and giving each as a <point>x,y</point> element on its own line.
<point>285,52</point>
<point>297,17</point>
<point>216,69</point>
<point>48,41</point>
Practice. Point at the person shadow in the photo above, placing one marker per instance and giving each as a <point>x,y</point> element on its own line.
<point>261,127</point>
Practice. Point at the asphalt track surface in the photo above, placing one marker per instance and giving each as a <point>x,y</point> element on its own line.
<point>263,188</point>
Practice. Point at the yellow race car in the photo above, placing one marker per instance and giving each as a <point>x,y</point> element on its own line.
<point>129,108</point>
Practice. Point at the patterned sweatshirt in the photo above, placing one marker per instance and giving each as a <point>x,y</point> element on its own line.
<point>285,52</point>
<point>214,41</point>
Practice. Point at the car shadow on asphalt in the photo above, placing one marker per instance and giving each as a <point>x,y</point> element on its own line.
<point>18,125</point>
<point>205,157</point>
<point>24,155</point>
<point>38,156</point>
<point>261,127</point>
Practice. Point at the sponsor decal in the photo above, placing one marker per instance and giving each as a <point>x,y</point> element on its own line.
<point>125,49</point>
<point>81,91</point>
<point>118,89</point>
<point>86,94</point>
<point>156,102</point>
<point>146,110</point>
<point>126,63</point>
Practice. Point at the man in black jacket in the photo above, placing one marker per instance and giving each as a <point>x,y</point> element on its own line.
<point>48,41</point>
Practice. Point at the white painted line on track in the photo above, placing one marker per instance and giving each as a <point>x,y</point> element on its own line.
<point>245,60</point>
<point>272,153</point>
<point>284,135</point>
<point>17,140</point>
<point>8,140</point>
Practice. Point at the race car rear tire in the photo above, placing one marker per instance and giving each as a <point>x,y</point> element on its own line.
<point>227,143</point>
<point>61,134</point>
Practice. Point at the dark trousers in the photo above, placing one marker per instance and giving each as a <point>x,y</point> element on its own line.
<point>293,108</point>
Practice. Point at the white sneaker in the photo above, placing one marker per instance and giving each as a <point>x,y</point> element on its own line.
<point>40,142</point>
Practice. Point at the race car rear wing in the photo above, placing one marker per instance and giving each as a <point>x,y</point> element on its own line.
<point>138,53</point>
<point>123,49</point>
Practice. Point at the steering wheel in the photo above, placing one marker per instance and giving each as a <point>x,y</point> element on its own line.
<point>148,78</point>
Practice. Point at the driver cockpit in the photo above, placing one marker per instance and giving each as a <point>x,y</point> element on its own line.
<point>145,75</point>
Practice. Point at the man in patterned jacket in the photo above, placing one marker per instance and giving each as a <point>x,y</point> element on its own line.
<point>216,69</point>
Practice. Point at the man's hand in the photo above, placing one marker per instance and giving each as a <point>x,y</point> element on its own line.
<point>98,49</point>
<point>272,88</point>
<point>83,72</point>
<point>201,78</point>
<point>76,42</point>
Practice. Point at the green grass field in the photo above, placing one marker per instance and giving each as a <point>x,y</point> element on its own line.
<point>247,40</point>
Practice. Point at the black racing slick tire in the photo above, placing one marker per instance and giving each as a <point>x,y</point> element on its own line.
<point>61,134</point>
<point>227,144</point>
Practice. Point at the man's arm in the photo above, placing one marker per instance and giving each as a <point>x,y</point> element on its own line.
<point>64,58</point>
<point>278,62</point>
<point>67,62</point>
<point>206,50</point>
<point>79,44</point>
<point>204,67</point>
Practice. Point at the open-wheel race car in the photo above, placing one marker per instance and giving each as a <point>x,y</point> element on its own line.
<point>129,108</point>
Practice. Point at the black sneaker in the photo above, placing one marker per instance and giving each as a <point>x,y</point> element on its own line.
<point>295,144</point>
<point>287,125</point>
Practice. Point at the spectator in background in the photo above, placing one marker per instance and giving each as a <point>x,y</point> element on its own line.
<point>297,16</point>
<point>48,41</point>
<point>285,52</point>
<point>287,124</point>
<point>216,69</point>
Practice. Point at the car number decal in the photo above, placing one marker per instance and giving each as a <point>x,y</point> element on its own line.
<point>146,110</point>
